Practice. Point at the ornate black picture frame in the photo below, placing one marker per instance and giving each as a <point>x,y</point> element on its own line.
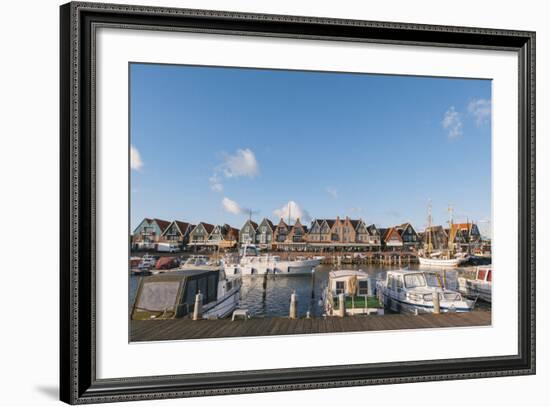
<point>79,383</point>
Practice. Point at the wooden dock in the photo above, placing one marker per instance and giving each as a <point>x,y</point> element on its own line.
<point>175,329</point>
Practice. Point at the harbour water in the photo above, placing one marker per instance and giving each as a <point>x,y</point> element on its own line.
<point>269,296</point>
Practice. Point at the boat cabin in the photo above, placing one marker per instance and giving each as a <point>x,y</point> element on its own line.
<point>356,287</point>
<point>484,273</point>
<point>168,296</point>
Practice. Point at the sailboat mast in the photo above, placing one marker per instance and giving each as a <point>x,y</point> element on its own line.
<point>429,228</point>
<point>451,231</point>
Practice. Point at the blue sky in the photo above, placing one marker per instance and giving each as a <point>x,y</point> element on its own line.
<point>216,144</point>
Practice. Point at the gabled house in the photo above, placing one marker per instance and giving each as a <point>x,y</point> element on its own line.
<point>200,234</point>
<point>343,230</point>
<point>264,234</point>
<point>348,230</point>
<point>319,232</point>
<point>362,234</point>
<point>177,232</point>
<point>462,235</point>
<point>298,233</point>
<point>336,230</point>
<point>408,235</point>
<point>223,236</point>
<point>281,232</point>
<point>375,235</point>
<point>147,234</point>
<point>392,239</point>
<point>247,233</point>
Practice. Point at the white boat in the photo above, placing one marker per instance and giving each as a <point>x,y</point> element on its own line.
<point>356,289</point>
<point>480,286</point>
<point>250,262</point>
<point>174,295</point>
<point>199,262</point>
<point>147,262</point>
<point>444,257</point>
<point>413,291</point>
<point>439,262</point>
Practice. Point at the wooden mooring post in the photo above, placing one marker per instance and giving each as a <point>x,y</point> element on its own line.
<point>435,299</point>
<point>197,312</point>
<point>341,305</point>
<point>293,313</point>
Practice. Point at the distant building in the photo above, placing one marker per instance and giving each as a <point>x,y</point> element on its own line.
<point>319,231</point>
<point>347,233</point>
<point>223,236</point>
<point>464,235</point>
<point>147,234</point>
<point>408,234</point>
<point>374,235</point>
<point>247,233</point>
<point>264,234</point>
<point>177,232</point>
<point>293,237</point>
<point>200,234</point>
<point>298,233</point>
<point>392,239</point>
<point>281,232</point>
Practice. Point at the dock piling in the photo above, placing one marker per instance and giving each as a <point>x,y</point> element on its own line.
<point>341,305</point>
<point>293,314</point>
<point>435,297</point>
<point>197,312</point>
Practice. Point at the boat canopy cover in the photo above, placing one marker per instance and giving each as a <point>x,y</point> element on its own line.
<point>165,295</point>
<point>165,262</point>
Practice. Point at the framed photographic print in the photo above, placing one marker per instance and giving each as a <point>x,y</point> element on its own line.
<point>233,182</point>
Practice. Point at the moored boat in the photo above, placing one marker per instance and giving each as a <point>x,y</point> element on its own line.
<point>414,291</point>
<point>480,286</point>
<point>355,290</point>
<point>440,262</point>
<point>250,262</point>
<point>174,295</point>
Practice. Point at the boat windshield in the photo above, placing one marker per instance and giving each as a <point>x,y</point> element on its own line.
<point>415,280</point>
<point>432,280</point>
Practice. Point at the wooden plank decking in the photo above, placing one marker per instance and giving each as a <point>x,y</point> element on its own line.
<point>175,329</point>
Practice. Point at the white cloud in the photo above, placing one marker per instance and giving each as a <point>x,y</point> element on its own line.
<point>234,208</point>
<point>242,164</point>
<point>231,206</point>
<point>135,159</point>
<point>452,123</point>
<point>217,187</point>
<point>481,110</point>
<point>215,183</point>
<point>293,210</point>
<point>332,192</point>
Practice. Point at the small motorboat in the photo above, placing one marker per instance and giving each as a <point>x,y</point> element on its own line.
<point>413,291</point>
<point>175,295</point>
<point>355,290</point>
<point>198,262</point>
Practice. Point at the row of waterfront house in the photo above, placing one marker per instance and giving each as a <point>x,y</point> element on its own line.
<point>321,234</point>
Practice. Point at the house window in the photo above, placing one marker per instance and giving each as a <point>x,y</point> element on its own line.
<point>340,287</point>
